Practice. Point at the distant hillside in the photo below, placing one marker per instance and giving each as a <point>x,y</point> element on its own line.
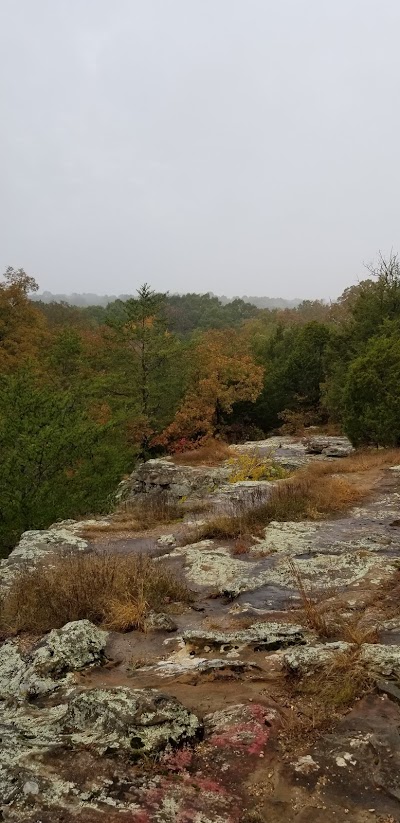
<point>263,302</point>
<point>89,299</point>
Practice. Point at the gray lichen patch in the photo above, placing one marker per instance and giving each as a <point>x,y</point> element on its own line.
<point>209,565</point>
<point>382,659</point>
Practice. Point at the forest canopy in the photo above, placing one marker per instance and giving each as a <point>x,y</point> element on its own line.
<point>87,391</point>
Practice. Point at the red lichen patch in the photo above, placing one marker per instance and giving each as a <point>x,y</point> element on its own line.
<point>178,761</point>
<point>248,735</point>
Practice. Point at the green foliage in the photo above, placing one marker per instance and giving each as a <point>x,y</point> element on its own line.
<point>294,372</point>
<point>371,397</point>
<point>56,461</point>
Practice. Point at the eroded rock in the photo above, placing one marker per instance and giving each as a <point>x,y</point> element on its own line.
<point>260,636</point>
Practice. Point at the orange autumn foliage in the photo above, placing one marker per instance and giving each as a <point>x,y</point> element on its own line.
<point>225,373</point>
<point>22,325</point>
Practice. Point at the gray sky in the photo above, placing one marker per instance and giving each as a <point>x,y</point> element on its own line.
<point>237,146</point>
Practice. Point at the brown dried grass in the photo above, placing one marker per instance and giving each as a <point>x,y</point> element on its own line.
<point>338,684</point>
<point>211,453</point>
<point>362,460</point>
<point>110,590</point>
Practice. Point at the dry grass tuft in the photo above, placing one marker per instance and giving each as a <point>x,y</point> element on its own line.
<point>362,460</point>
<point>110,590</point>
<point>137,516</point>
<point>240,546</point>
<point>339,684</point>
<point>211,453</point>
<point>125,615</point>
<point>327,615</point>
<point>315,611</point>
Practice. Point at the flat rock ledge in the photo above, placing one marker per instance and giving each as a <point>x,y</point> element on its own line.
<point>260,637</point>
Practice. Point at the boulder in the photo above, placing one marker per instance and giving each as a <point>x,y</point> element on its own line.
<point>140,721</point>
<point>329,446</point>
<point>51,662</point>
<point>162,478</point>
<point>158,621</point>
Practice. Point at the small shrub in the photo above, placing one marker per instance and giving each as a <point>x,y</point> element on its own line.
<point>252,466</point>
<point>115,591</point>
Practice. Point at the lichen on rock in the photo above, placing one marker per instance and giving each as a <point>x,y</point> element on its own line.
<point>142,721</point>
<point>51,661</point>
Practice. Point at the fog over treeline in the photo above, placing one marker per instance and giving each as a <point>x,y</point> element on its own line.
<point>90,299</point>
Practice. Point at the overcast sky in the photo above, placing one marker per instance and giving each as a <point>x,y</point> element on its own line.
<point>237,146</point>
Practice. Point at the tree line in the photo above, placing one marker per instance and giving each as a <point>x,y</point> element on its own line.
<point>86,392</point>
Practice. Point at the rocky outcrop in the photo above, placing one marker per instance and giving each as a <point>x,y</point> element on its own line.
<point>293,453</point>
<point>53,731</point>
<point>302,662</point>
<point>329,446</point>
<point>161,477</point>
<point>378,659</point>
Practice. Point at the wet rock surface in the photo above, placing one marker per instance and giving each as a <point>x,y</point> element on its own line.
<point>197,719</point>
